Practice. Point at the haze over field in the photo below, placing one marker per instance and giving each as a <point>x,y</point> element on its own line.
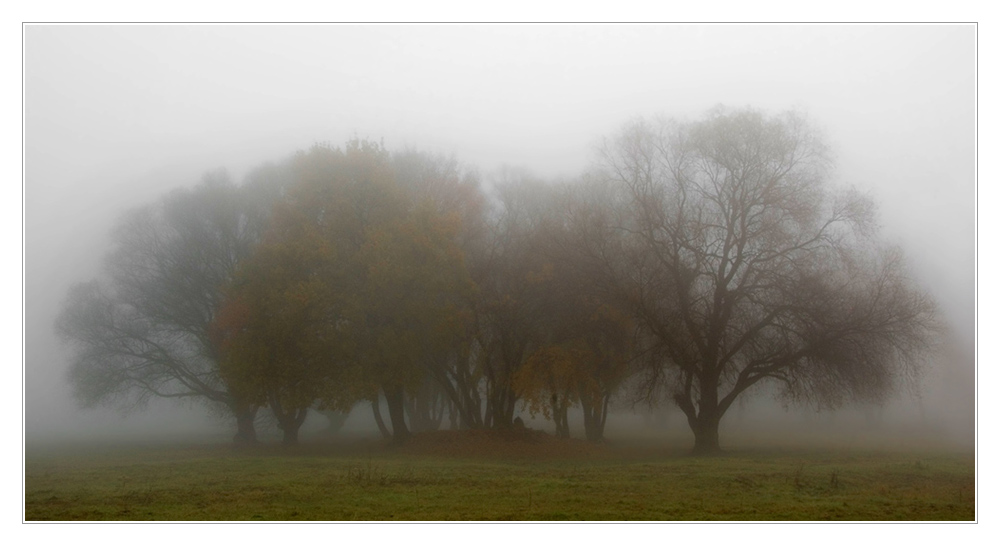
<point>115,116</point>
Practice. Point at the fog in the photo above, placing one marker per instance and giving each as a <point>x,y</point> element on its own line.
<point>115,116</point>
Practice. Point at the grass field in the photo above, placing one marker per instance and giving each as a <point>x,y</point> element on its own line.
<point>449,477</point>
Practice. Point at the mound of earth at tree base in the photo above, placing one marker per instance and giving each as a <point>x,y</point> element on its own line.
<point>503,444</point>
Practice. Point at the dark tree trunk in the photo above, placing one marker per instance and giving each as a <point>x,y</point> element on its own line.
<point>290,435</point>
<point>704,421</point>
<point>604,417</point>
<point>501,398</point>
<point>594,418</point>
<point>470,404</point>
<point>562,423</point>
<point>454,418</point>
<point>397,413</point>
<point>289,421</point>
<point>511,405</point>
<point>465,405</point>
<point>706,436</point>
<point>438,409</point>
<point>290,424</point>
<point>378,419</point>
<point>706,426</point>
<point>560,418</point>
<point>425,409</point>
<point>246,434</point>
<point>500,408</point>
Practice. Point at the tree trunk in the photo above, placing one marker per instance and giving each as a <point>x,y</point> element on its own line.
<point>603,418</point>
<point>588,417</point>
<point>594,418</point>
<point>500,399</point>
<point>706,436</point>
<point>397,413</point>
<point>439,406</point>
<point>508,415</point>
<point>562,423</point>
<point>465,405</point>
<point>470,404</point>
<point>488,420</point>
<point>425,409</point>
<point>500,408</point>
<point>704,421</point>
<point>559,416</point>
<point>290,435</point>
<point>706,425</point>
<point>378,419</point>
<point>246,434</point>
<point>288,421</point>
<point>454,417</point>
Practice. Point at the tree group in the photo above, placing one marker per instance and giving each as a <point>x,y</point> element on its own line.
<point>696,260</point>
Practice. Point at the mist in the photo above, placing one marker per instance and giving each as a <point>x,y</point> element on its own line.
<point>117,116</point>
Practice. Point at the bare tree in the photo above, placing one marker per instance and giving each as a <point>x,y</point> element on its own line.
<point>143,330</point>
<point>744,266</point>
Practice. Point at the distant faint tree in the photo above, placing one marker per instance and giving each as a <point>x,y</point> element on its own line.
<point>744,266</point>
<point>142,330</point>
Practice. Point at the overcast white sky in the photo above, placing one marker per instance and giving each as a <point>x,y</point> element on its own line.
<point>117,115</point>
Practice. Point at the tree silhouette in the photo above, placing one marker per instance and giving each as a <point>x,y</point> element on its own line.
<point>743,265</point>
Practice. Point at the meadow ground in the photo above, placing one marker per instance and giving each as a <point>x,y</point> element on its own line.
<point>488,476</point>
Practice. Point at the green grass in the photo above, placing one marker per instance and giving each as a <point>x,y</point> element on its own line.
<point>273,484</point>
